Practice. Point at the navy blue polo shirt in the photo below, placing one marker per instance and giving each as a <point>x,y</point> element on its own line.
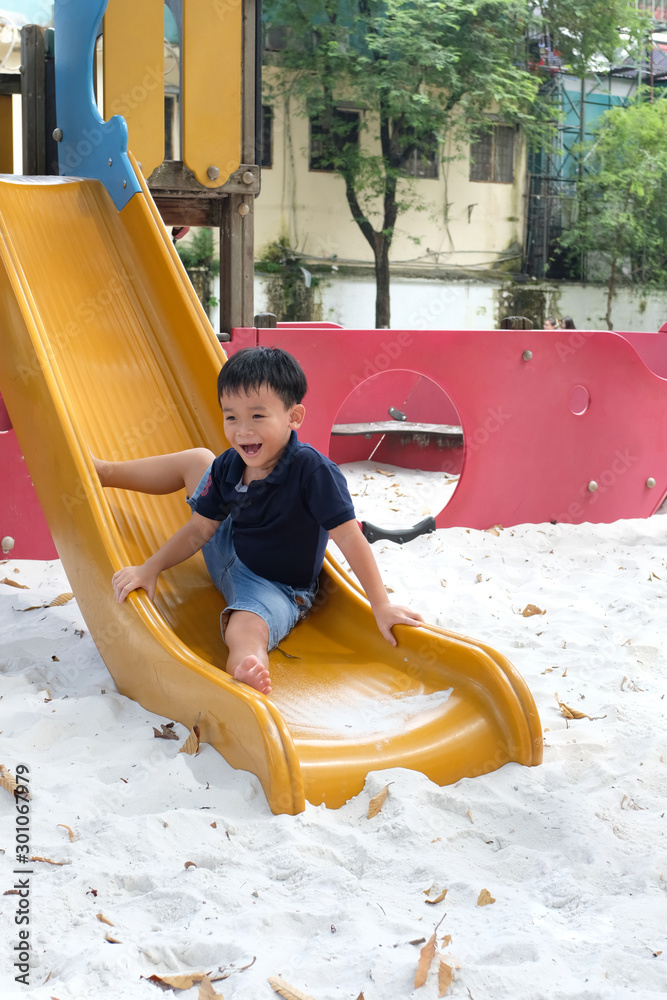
<point>281,524</point>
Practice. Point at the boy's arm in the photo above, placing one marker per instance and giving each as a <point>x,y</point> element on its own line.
<point>357,551</point>
<point>183,544</point>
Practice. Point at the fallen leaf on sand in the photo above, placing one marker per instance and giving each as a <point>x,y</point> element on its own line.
<point>445,976</point>
<point>438,899</point>
<point>426,956</point>
<point>191,745</point>
<point>104,920</point>
<point>7,779</point>
<point>179,982</point>
<point>532,609</point>
<point>485,898</point>
<point>60,600</point>
<point>573,713</point>
<point>15,583</point>
<point>376,803</point>
<point>206,990</point>
<point>70,832</point>
<point>285,990</point>
<point>111,940</point>
<point>167,732</point>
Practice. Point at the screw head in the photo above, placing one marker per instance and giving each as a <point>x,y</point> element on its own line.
<point>7,544</point>
<point>527,355</point>
<point>592,486</point>
<point>247,177</point>
<point>57,134</point>
<point>650,482</point>
<point>213,173</point>
<point>244,209</point>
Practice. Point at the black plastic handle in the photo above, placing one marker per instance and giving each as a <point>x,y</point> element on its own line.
<point>400,535</point>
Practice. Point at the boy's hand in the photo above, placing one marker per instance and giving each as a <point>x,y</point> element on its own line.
<point>395,614</point>
<point>131,578</point>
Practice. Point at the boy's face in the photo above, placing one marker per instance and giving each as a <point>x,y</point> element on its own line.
<point>258,426</point>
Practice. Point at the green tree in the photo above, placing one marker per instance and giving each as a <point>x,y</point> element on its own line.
<point>425,71</point>
<point>619,215</point>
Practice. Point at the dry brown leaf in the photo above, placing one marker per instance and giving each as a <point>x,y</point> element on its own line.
<point>70,832</point>
<point>206,991</point>
<point>111,940</point>
<point>60,600</point>
<point>190,864</point>
<point>104,920</point>
<point>285,990</point>
<point>574,713</point>
<point>490,531</point>
<point>376,803</point>
<point>167,732</point>
<point>426,956</point>
<point>7,779</point>
<point>191,745</point>
<point>361,995</point>
<point>532,609</point>
<point>385,472</point>
<point>438,899</point>
<point>15,583</point>
<point>48,861</point>
<point>181,982</point>
<point>446,941</point>
<point>445,976</point>
<point>469,815</point>
<point>485,898</point>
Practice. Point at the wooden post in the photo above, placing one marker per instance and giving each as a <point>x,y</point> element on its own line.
<point>33,99</point>
<point>237,245</point>
<point>236,262</point>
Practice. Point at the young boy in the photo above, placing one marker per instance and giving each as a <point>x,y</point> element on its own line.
<point>262,512</point>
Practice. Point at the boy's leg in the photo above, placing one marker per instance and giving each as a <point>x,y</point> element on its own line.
<point>157,474</point>
<point>247,638</point>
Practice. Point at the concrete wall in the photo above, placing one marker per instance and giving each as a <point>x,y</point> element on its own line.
<point>462,304</point>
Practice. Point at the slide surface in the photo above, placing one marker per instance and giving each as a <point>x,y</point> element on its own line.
<point>105,348</point>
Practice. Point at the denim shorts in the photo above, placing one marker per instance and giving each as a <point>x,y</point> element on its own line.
<point>278,604</point>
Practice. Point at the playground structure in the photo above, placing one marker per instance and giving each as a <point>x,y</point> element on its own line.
<point>106,349</point>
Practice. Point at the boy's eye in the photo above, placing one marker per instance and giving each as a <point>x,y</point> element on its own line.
<point>257,416</point>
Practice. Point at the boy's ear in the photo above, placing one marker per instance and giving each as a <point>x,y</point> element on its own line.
<point>297,413</point>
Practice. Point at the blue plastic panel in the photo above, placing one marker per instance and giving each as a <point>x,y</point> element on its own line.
<point>90,146</point>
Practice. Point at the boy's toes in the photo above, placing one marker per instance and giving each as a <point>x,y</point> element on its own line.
<point>252,671</point>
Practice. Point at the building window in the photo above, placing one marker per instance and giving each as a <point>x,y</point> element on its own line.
<point>492,156</point>
<point>266,159</point>
<point>330,136</point>
<point>422,161</point>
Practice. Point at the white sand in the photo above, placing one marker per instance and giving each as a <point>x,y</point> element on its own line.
<point>572,851</point>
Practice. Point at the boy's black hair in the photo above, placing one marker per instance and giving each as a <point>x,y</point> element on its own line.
<point>252,367</point>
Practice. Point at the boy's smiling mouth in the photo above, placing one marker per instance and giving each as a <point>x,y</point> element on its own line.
<point>250,449</point>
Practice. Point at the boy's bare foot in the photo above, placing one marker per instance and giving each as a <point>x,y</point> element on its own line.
<point>253,672</point>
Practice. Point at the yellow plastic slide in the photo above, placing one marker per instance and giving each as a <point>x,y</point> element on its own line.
<point>106,349</point>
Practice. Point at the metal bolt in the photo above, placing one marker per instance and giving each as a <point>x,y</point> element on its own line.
<point>592,486</point>
<point>527,355</point>
<point>213,173</point>
<point>244,209</point>
<point>110,161</point>
<point>7,544</point>
<point>58,134</point>
<point>124,184</point>
<point>247,177</point>
<point>650,482</point>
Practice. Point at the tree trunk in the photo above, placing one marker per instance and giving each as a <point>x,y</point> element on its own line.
<point>382,301</point>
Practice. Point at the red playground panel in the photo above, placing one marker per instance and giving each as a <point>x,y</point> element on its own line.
<point>21,518</point>
<point>560,425</point>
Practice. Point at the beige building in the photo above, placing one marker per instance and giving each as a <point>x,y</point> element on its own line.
<point>468,209</point>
